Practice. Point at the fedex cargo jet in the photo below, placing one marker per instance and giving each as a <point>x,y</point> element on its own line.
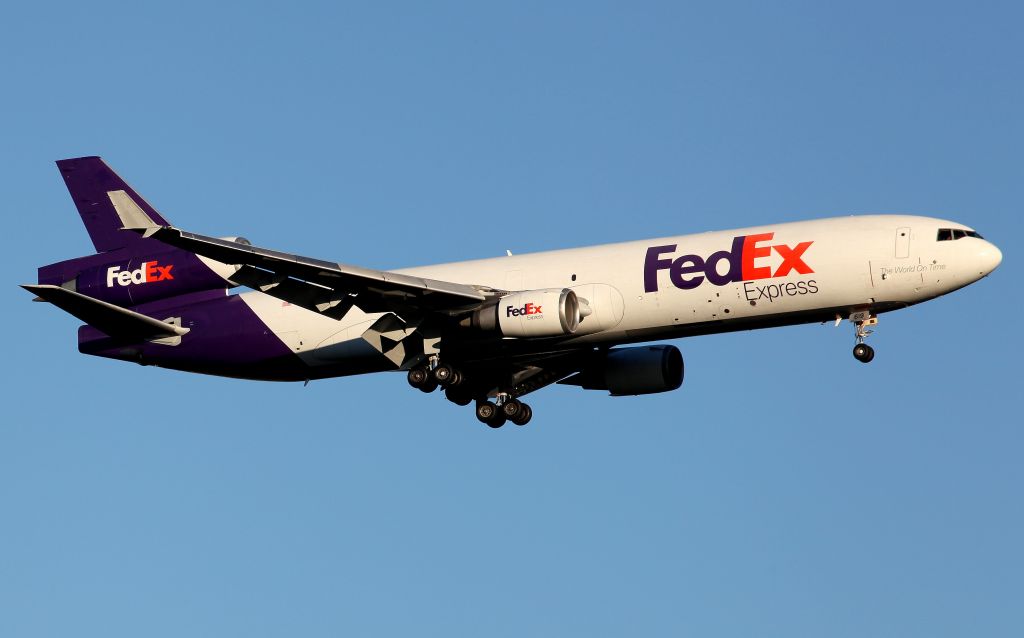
<point>486,332</point>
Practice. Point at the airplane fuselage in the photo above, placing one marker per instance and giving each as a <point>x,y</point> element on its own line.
<point>781,274</point>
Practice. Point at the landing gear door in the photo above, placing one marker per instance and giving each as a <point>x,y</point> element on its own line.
<point>902,243</point>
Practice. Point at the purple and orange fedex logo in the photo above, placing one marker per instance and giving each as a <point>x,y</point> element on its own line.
<point>149,271</point>
<point>746,261</point>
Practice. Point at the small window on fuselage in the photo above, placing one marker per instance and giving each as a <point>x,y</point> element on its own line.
<point>959,234</point>
<point>975,234</point>
<point>945,234</point>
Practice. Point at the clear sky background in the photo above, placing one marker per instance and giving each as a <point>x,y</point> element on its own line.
<point>786,490</point>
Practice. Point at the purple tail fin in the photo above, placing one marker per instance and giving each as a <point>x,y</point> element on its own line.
<point>90,182</point>
<point>127,269</point>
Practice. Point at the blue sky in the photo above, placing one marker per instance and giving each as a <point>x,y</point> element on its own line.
<point>785,490</point>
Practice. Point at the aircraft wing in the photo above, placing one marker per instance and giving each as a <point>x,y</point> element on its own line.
<point>322,286</point>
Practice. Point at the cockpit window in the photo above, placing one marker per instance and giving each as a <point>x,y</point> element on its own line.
<point>950,234</point>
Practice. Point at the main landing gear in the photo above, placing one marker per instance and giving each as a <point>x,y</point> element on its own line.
<point>460,391</point>
<point>495,414</point>
<point>861,323</point>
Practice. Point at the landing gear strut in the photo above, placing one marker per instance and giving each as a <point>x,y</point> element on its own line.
<point>861,323</point>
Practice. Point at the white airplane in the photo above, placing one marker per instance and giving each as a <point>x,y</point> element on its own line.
<point>487,331</point>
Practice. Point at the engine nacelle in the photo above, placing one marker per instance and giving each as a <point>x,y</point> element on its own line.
<point>632,371</point>
<point>549,312</point>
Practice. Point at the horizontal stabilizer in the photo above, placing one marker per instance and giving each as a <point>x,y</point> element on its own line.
<point>113,320</point>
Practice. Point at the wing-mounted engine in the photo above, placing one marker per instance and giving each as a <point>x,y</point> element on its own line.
<point>632,371</point>
<point>548,312</point>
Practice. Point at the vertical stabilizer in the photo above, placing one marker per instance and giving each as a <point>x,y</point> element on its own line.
<point>96,188</point>
<point>127,269</point>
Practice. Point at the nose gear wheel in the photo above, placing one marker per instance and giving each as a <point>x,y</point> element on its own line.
<point>862,322</point>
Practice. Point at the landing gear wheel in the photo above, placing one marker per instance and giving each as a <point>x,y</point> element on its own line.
<point>863,352</point>
<point>428,386</point>
<point>447,375</point>
<point>420,379</point>
<point>457,396</point>
<point>511,408</point>
<point>443,373</point>
<point>417,377</point>
<point>489,414</point>
<point>497,421</point>
<point>523,416</point>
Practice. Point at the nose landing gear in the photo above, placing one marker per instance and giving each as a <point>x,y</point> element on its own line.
<point>862,321</point>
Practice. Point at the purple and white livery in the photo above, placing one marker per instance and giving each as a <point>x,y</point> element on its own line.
<point>488,331</point>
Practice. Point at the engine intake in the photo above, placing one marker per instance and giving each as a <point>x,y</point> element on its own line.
<point>548,312</point>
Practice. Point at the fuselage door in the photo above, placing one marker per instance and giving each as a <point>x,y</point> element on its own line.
<point>902,243</point>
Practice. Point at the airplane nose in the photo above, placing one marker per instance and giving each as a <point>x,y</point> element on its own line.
<point>989,258</point>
